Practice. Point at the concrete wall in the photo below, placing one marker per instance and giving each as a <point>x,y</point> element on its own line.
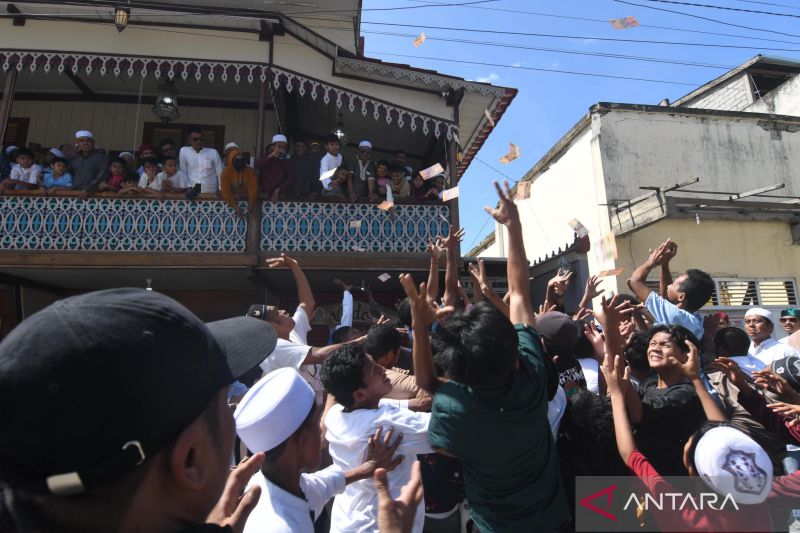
<point>114,125</point>
<point>727,154</point>
<point>734,95</point>
<point>784,100</point>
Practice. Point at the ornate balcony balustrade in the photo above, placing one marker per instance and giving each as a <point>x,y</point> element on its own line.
<point>175,225</point>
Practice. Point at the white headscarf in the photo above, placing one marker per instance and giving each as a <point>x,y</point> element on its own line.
<point>732,463</point>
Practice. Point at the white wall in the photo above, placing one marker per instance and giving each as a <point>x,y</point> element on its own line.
<point>734,95</point>
<point>727,154</point>
<point>784,100</point>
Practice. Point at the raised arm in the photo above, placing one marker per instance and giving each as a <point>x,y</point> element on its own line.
<point>665,279</point>
<point>483,287</point>
<point>638,280</point>
<point>617,377</point>
<point>591,292</point>
<point>304,294</point>
<point>556,288</point>
<point>347,303</point>
<point>520,308</point>
<point>436,249</point>
<point>423,313</point>
<point>691,369</point>
<point>451,270</point>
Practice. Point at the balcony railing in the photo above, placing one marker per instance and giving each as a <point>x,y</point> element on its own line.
<point>173,224</point>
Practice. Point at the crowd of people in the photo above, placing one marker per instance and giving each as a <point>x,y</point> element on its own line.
<point>306,172</point>
<point>469,413</point>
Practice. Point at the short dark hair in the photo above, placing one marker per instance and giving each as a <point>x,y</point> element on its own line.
<point>58,160</point>
<point>482,342</point>
<point>404,312</point>
<point>625,297</point>
<point>331,138</point>
<point>382,162</point>
<point>150,161</point>
<point>340,334</point>
<point>679,335</point>
<point>698,288</point>
<point>400,152</point>
<point>25,151</point>
<point>195,129</point>
<point>169,158</point>
<point>731,341</point>
<point>636,351</point>
<point>343,373</point>
<point>382,339</point>
<point>300,141</point>
<point>394,167</point>
<point>165,142</point>
<point>118,160</point>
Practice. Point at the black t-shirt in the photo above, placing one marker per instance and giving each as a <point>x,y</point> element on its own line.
<point>671,415</point>
<point>570,373</point>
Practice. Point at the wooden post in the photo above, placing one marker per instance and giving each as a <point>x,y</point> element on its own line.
<point>7,100</point>
<point>262,89</point>
<point>452,164</point>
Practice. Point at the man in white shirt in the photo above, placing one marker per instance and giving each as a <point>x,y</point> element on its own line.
<point>758,325</point>
<point>202,165</point>
<point>292,330</point>
<point>359,384</point>
<point>278,416</point>
<point>332,158</point>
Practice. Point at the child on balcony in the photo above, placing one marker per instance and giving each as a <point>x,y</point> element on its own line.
<point>332,158</point>
<point>334,187</point>
<point>119,177</point>
<point>382,180</point>
<point>418,190</point>
<point>172,178</point>
<point>149,178</point>
<point>26,174</point>
<point>57,177</point>
<point>400,187</point>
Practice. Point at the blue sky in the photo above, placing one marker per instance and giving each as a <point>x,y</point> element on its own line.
<point>548,104</point>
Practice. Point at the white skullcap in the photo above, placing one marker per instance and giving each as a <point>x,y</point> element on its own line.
<point>84,133</point>
<point>732,463</point>
<point>273,409</point>
<point>365,144</point>
<point>230,145</point>
<point>278,137</point>
<point>10,149</point>
<point>56,152</point>
<point>759,311</point>
<point>123,154</point>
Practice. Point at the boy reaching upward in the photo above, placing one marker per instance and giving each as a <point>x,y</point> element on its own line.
<point>495,419</point>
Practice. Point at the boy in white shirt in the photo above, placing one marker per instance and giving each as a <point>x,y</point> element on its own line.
<point>173,179</point>
<point>332,158</point>
<point>25,174</point>
<point>358,384</point>
<point>150,177</point>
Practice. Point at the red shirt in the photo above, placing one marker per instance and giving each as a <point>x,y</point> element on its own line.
<point>275,174</point>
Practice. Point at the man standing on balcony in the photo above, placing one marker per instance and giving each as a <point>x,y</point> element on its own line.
<point>306,171</point>
<point>364,172</point>
<point>90,166</point>
<point>202,165</point>
<point>275,169</point>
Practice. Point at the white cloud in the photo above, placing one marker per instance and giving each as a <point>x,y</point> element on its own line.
<point>517,64</point>
<point>488,79</point>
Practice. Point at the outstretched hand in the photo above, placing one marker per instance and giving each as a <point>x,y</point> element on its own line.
<point>506,211</point>
<point>235,505</point>
<point>665,251</point>
<point>617,375</point>
<point>282,261</point>
<point>788,410</point>
<point>436,248</point>
<point>691,367</point>
<point>380,451</point>
<point>593,289</point>
<point>397,516</point>
<point>768,379</point>
<point>424,311</point>
<point>453,239</point>
<point>734,374</point>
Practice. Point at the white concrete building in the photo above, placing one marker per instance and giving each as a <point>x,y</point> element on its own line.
<point>617,170</point>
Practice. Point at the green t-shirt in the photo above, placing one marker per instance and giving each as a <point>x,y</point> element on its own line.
<point>503,439</point>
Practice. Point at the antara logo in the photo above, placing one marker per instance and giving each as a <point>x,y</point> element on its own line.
<point>678,501</point>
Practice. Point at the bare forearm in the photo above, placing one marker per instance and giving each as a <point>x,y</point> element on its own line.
<point>664,280</point>
<point>634,405</point>
<point>451,277</point>
<point>495,300</point>
<point>433,279</point>
<point>304,293</point>
<point>710,407</point>
<point>638,281</point>
<point>318,355</point>
<point>622,427</point>
<point>520,308</point>
<point>424,370</point>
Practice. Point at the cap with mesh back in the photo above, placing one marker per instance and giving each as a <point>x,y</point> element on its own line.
<point>95,384</point>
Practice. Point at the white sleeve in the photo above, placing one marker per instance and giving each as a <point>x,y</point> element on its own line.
<point>218,163</point>
<point>181,180</point>
<point>143,181</point>
<point>347,309</point>
<point>389,194</point>
<point>413,426</point>
<point>36,174</point>
<point>301,324</point>
<point>183,163</point>
<point>321,486</point>
<point>15,173</point>
<point>403,404</point>
<point>285,354</point>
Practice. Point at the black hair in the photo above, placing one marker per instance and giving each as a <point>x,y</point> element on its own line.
<point>382,162</point>
<point>331,138</point>
<point>25,151</point>
<point>481,342</point>
<point>195,129</point>
<point>679,335</point>
<point>275,453</point>
<point>301,140</point>
<point>698,288</point>
<point>583,348</point>
<point>340,334</point>
<point>404,312</point>
<point>168,158</point>
<point>382,339</point>
<point>166,142</point>
<point>731,341</point>
<point>636,351</point>
<point>394,167</point>
<point>704,428</point>
<point>58,160</point>
<point>343,373</point>
<point>400,152</point>
<point>150,161</point>
<point>118,160</point>
<point>625,297</point>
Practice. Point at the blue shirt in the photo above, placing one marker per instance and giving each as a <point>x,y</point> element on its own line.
<point>65,180</point>
<point>666,312</point>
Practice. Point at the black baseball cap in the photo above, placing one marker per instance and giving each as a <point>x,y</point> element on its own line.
<point>95,384</point>
<point>789,368</point>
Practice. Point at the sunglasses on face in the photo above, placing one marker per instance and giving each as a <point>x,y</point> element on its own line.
<point>365,151</point>
<point>196,139</point>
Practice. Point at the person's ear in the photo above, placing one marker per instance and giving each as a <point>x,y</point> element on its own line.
<point>359,395</point>
<point>188,458</point>
<point>681,296</point>
<point>687,460</point>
